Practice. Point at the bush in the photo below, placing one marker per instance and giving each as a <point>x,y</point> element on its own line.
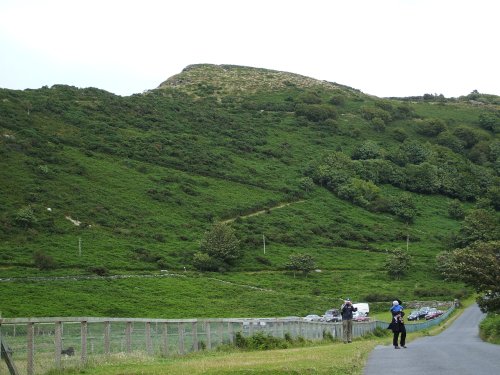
<point>455,210</point>
<point>43,261</point>
<point>99,270</point>
<point>204,262</point>
<point>25,217</point>
<point>378,297</point>
<point>489,329</point>
<point>316,112</point>
<point>263,260</point>
<point>260,341</point>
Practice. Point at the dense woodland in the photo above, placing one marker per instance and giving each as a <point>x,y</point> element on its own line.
<point>293,192</point>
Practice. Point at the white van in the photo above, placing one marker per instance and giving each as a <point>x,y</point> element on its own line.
<point>362,307</point>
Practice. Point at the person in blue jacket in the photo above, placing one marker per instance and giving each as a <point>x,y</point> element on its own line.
<point>398,325</point>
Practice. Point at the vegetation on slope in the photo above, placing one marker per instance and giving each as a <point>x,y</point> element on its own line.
<point>146,176</point>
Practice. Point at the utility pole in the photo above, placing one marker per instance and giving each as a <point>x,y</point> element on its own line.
<point>79,246</point>
<point>264,241</point>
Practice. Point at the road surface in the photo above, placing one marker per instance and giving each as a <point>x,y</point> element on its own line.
<point>457,350</point>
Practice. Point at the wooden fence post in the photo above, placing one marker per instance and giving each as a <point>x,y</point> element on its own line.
<point>31,349</point>
<point>107,334</point>
<point>84,342</point>
<point>194,335</point>
<point>181,338</point>
<point>230,332</point>
<point>209,335</point>
<point>149,343</point>
<point>220,330</point>
<point>128,338</point>
<point>164,336</point>
<point>58,343</point>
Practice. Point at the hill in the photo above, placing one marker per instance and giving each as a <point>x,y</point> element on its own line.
<point>94,183</point>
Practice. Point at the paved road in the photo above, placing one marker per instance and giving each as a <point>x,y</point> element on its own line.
<point>458,350</point>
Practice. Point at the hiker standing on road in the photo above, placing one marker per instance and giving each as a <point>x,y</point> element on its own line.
<point>346,310</point>
<point>398,325</point>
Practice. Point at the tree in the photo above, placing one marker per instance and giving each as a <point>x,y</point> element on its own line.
<point>422,178</point>
<point>477,265</point>
<point>221,243</point>
<point>359,192</point>
<point>403,206</point>
<point>455,209</point>
<point>490,121</point>
<point>367,150</point>
<point>300,262</point>
<point>398,263</point>
<point>478,225</point>
<point>432,127</point>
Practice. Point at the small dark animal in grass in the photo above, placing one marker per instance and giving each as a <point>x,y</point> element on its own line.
<point>69,352</point>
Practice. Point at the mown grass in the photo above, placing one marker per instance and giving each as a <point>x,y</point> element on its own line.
<point>321,359</point>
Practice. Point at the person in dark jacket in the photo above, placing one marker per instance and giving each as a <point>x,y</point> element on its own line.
<point>398,325</point>
<point>346,311</point>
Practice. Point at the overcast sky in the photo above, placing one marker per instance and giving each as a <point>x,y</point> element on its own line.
<point>381,47</point>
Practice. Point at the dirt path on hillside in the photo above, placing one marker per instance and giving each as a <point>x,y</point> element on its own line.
<point>260,212</point>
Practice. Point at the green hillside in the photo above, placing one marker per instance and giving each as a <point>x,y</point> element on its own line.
<point>94,184</point>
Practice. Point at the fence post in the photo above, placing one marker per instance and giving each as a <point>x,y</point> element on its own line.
<point>181,338</point>
<point>194,335</point>
<point>31,349</point>
<point>209,335</point>
<point>149,343</point>
<point>58,343</point>
<point>84,342</point>
<point>221,332</point>
<point>128,337</point>
<point>107,334</point>
<point>164,336</point>
<point>230,332</point>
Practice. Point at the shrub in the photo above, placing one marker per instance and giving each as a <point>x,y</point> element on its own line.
<point>432,127</point>
<point>338,100</point>
<point>455,210</point>
<point>489,329</point>
<point>43,261</point>
<point>263,260</point>
<point>316,112</point>
<point>378,124</point>
<point>204,262</point>
<point>399,135</point>
<point>99,270</point>
<point>25,217</point>
<point>367,150</point>
<point>260,341</point>
<point>378,297</point>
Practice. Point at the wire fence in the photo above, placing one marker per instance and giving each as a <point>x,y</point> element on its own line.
<point>37,345</point>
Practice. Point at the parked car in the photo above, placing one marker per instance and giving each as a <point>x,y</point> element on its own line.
<point>312,318</point>
<point>424,311</point>
<point>332,315</point>
<point>433,313</point>
<point>414,315</point>
<point>359,316</point>
<point>418,314</point>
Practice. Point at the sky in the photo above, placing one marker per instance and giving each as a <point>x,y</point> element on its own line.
<point>381,47</point>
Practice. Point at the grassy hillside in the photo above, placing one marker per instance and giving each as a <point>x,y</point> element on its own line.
<point>102,184</point>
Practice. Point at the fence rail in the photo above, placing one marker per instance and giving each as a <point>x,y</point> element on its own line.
<point>37,345</point>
